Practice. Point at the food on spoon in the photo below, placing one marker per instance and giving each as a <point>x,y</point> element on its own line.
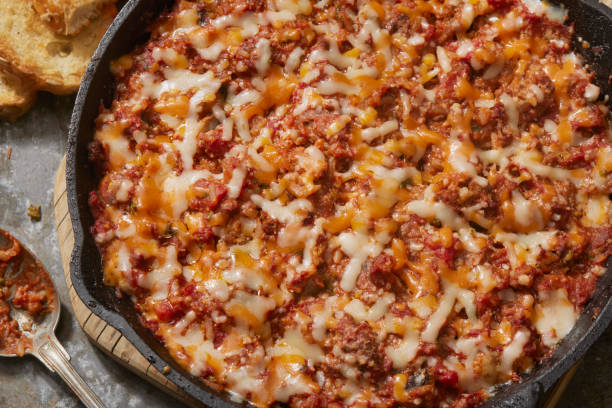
<point>25,285</point>
<point>355,203</point>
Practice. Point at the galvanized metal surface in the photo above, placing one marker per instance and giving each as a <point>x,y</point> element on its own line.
<point>37,142</point>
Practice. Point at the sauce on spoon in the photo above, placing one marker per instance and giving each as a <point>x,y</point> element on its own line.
<point>24,285</point>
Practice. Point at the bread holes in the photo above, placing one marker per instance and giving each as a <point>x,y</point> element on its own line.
<point>61,48</point>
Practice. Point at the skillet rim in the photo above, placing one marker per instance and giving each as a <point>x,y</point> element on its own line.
<point>526,393</point>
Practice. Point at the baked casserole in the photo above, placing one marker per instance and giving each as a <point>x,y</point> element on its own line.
<point>355,203</point>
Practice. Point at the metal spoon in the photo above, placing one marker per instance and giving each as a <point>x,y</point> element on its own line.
<point>45,345</point>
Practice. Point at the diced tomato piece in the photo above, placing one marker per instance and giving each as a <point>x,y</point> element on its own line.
<point>208,195</point>
<point>446,377</point>
<point>165,311</point>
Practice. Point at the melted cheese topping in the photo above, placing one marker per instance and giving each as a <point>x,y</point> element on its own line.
<point>319,202</point>
<point>555,316</point>
<point>514,349</point>
<point>358,311</point>
<point>358,247</point>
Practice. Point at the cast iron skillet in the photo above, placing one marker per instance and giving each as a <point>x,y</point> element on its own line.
<point>593,22</point>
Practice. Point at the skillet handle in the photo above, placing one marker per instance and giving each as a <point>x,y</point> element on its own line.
<point>55,357</point>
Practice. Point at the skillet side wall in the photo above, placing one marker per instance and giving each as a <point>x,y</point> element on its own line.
<point>592,21</point>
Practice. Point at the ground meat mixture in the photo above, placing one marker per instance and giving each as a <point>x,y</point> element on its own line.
<point>358,203</point>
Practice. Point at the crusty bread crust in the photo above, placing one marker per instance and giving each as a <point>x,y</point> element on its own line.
<point>56,62</point>
<point>68,17</point>
<point>17,93</point>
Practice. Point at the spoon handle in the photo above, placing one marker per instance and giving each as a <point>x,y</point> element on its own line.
<point>55,357</point>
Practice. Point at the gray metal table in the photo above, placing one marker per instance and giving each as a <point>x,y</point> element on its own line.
<point>38,142</point>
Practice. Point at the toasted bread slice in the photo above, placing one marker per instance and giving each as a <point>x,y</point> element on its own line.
<point>17,94</point>
<point>69,17</point>
<point>30,47</point>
